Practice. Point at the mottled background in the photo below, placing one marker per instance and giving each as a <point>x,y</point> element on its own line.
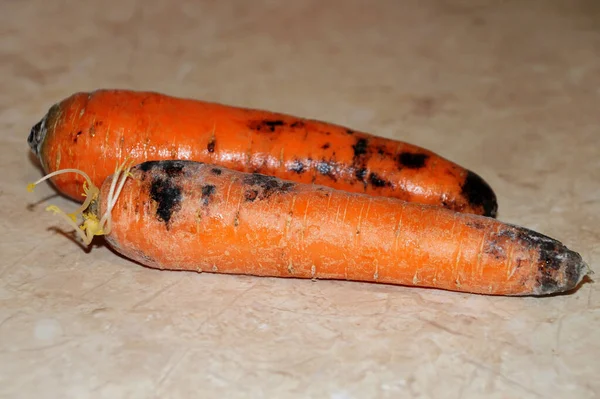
<point>510,89</point>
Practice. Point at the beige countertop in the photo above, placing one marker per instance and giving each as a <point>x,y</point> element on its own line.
<point>509,89</point>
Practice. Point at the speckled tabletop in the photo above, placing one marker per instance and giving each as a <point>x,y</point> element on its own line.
<point>509,89</point>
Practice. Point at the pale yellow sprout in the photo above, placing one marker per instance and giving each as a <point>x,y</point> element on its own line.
<point>91,225</point>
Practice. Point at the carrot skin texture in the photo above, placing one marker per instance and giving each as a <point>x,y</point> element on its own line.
<point>95,131</point>
<point>183,215</point>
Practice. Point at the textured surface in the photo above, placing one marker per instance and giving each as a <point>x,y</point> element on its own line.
<point>509,89</point>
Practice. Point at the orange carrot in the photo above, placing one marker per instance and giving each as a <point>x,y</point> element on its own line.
<point>94,131</point>
<point>184,215</point>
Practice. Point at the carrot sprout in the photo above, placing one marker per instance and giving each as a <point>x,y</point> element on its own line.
<point>91,225</point>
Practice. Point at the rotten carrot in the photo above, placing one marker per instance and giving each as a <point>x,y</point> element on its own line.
<point>185,215</point>
<point>94,131</point>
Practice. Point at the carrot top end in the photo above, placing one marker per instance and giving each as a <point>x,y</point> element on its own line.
<point>90,226</point>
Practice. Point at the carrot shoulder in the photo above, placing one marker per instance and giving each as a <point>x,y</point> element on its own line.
<point>183,215</point>
<point>94,131</point>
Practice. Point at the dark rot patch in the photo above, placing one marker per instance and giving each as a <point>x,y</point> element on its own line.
<point>377,181</point>
<point>266,125</point>
<point>168,197</point>
<point>326,146</point>
<point>171,167</point>
<point>479,194</point>
<point>250,195</point>
<point>146,166</point>
<point>492,248</point>
<point>36,136</point>
<point>349,131</point>
<point>211,145</point>
<point>207,192</point>
<point>547,283</point>
<point>360,148</point>
<point>297,125</point>
<point>297,166</point>
<point>267,185</point>
<point>411,160</point>
<point>79,133</point>
<point>559,269</point>
<point>360,174</point>
<point>216,171</point>
<point>476,225</point>
<point>381,150</point>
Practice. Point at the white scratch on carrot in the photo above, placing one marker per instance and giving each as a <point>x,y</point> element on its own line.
<point>304,223</point>
<point>510,269</point>
<point>376,274</point>
<point>398,228</point>
<point>346,208</point>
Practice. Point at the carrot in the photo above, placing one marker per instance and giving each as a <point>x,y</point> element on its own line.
<point>185,215</point>
<point>93,131</point>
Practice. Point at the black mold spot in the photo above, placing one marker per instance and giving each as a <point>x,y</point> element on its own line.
<point>250,195</point>
<point>377,181</point>
<point>297,167</point>
<point>268,185</point>
<point>411,160</point>
<point>476,225</point>
<point>360,148</point>
<point>479,194</point>
<point>326,146</point>
<point>168,197</point>
<point>173,168</point>
<point>207,192</point>
<point>211,145</point>
<point>359,162</point>
<point>79,133</point>
<point>548,284</point>
<point>146,166</point>
<point>360,174</point>
<point>349,131</point>
<point>266,125</point>
<point>216,171</point>
<point>170,167</point>
<point>381,150</point>
<point>35,136</point>
<point>492,248</point>
<point>297,125</point>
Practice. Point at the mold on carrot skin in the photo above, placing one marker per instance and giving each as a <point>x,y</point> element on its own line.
<point>411,160</point>
<point>479,194</point>
<point>167,196</point>
<point>266,125</point>
<point>207,192</point>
